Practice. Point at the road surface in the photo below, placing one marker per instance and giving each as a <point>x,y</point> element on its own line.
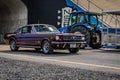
<point>105,60</point>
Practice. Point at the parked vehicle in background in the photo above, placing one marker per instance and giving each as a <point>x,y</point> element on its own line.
<point>45,37</point>
<point>86,23</point>
<point>111,35</point>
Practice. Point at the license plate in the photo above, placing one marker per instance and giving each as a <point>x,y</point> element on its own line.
<point>73,46</point>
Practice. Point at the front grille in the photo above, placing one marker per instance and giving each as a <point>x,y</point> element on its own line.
<point>72,38</point>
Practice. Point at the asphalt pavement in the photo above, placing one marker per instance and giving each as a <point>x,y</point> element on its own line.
<point>104,60</point>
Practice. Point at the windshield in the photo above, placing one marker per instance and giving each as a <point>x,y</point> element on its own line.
<point>45,28</point>
<point>82,19</point>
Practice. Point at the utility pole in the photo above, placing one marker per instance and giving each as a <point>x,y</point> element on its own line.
<point>88,5</point>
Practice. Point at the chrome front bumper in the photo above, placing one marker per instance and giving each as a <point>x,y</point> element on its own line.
<point>68,42</point>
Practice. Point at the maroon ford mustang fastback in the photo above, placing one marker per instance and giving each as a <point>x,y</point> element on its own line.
<point>45,37</point>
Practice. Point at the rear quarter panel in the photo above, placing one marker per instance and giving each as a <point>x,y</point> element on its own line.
<point>8,37</point>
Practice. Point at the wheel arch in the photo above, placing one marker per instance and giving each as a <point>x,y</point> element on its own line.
<point>78,25</point>
<point>12,38</point>
<point>47,50</point>
<point>44,40</point>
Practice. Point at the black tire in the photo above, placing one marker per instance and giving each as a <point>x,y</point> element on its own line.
<point>84,31</point>
<point>46,47</point>
<point>95,43</point>
<point>13,46</point>
<point>73,50</point>
<point>118,47</point>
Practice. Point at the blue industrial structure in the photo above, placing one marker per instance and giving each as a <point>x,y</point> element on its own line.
<point>84,22</point>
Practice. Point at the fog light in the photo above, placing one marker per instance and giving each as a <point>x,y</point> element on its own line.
<point>83,38</point>
<point>58,45</point>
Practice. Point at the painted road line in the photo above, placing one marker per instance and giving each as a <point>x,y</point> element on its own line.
<point>61,61</point>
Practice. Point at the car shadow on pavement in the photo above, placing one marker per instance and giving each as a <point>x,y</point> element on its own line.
<point>39,53</point>
<point>109,51</point>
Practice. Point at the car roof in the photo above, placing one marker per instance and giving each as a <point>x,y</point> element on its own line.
<point>35,24</point>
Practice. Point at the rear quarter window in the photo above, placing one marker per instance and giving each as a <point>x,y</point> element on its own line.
<point>26,29</point>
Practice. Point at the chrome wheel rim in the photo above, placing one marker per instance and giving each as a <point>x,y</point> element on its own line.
<point>46,47</point>
<point>12,45</point>
<point>98,38</point>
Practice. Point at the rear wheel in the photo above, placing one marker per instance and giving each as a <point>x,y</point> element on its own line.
<point>13,46</point>
<point>46,47</point>
<point>84,31</point>
<point>96,41</point>
<point>73,50</point>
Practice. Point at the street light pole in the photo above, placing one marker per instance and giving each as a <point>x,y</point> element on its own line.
<point>88,5</point>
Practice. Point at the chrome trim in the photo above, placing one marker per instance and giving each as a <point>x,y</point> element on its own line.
<point>67,42</point>
<point>73,37</point>
<point>24,46</point>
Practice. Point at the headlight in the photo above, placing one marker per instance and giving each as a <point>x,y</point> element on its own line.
<point>57,37</point>
<point>83,38</point>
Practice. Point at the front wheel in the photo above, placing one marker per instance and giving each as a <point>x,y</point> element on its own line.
<point>46,47</point>
<point>73,50</point>
<point>13,46</point>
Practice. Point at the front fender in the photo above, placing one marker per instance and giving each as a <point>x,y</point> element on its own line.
<point>98,28</point>
<point>12,38</point>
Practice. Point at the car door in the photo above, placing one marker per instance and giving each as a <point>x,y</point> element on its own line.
<point>25,37</point>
